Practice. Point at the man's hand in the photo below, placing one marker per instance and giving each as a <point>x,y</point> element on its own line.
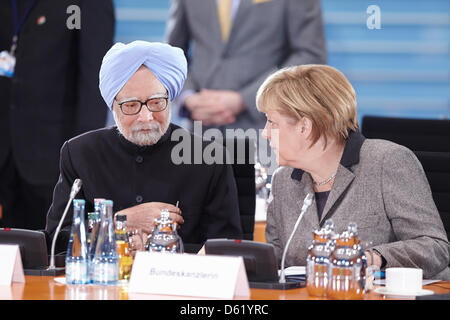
<point>143,215</point>
<point>215,107</point>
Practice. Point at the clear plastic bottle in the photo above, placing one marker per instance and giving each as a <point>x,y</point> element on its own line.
<point>164,237</point>
<point>106,263</point>
<point>123,248</point>
<point>98,203</point>
<point>77,250</point>
<point>318,261</point>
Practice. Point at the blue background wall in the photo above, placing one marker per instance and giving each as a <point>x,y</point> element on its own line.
<point>402,69</point>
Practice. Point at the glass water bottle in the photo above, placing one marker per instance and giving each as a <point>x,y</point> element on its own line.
<point>77,250</point>
<point>346,279</point>
<point>106,263</point>
<point>318,261</point>
<point>164,237</point>
<point>98,203</point>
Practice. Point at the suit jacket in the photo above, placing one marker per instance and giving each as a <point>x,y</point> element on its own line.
<point>265,36</point>
<point>113,168</point>
<point>380,186</point>
<point>54,93</point>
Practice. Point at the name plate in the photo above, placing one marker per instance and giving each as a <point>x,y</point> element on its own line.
<point>189,275</point>
<point>11,269</point>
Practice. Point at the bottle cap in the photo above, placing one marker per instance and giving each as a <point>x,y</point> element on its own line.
<point>78,202</point>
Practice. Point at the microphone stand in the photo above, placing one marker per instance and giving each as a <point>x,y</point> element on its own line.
<point>306,204</point>
<point>52,270</point>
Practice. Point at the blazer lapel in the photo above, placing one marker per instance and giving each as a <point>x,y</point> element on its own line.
<point>344,178</point>
<point>345,175</point>
<point>211,8</point>
<point>241,14</point>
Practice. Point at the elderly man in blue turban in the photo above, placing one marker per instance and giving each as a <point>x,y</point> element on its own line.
<point>131,164</point>
<point>125,70</point>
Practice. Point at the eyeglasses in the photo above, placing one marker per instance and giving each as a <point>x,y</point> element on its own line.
<point>156,103</point>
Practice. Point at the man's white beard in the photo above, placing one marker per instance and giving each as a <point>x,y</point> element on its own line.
<point>140,138</point>
<point>146,138</point>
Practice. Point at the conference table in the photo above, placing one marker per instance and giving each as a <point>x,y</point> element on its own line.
<point>51,288</point>
<point>47,288</point>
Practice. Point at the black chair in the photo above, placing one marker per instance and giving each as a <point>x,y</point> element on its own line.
<point>430,141</point>
<point>241,153</point>
<point>416,134</point>
<point>437,169</point>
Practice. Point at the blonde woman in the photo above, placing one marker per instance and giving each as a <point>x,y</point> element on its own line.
<point>379,185</point>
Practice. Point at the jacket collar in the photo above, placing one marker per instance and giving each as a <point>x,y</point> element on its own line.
<point>350,156</point>
<point>343,180</point>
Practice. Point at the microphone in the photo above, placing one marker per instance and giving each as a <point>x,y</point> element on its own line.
<point>306,204</point>
<point>52,270</point>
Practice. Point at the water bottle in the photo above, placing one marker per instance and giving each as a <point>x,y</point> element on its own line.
<point>164,237</point>
<point>106,263</point>
<point>346,275</point>
<point>318,260</point>
<point>353,229</point>
<point>96,220</point>
<point>77,251</point>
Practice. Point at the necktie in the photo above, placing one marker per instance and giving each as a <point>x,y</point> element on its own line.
<point>224,13</point>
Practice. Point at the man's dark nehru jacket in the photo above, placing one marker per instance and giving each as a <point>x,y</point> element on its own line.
<point>113,168</point>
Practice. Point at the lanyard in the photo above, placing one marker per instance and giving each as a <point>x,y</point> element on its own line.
<point>19,23</point>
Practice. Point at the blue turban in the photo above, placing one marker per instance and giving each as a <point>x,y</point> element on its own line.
<point>167,63</point>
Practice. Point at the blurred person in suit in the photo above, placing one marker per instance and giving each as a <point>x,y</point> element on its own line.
<point>50,95</point>
<point>233,45</point>
<point>133,163</point>
<point>377,184</point>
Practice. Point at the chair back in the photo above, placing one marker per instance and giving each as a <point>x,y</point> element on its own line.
<point>437,169</point>
<point>429,139</point>
<point>241,152</point>
<point>415,134</point>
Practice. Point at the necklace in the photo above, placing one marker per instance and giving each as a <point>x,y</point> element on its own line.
<point>321,183</point>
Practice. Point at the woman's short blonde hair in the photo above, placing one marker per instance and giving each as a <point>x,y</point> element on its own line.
<point>319,92</point>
